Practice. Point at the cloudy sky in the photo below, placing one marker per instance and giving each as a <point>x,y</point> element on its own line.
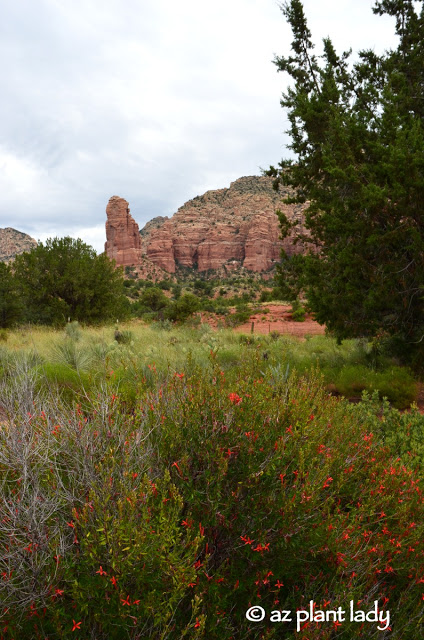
<point>156,101</point>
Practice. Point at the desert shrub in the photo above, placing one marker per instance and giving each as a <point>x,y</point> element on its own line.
<point>69,353</point>
<point>297,311</point>
<point>154,299</point>
<point>396,383</point>
<point>237,318</point>
<point>99,352</point>
<point>124,337</point>
<point>162,325</point>
<point>297,498</point>
<point>183,307</point>
<point>266,296</point>
<point>402,432</point>
<point>93,543</point>
<point>73,331</point>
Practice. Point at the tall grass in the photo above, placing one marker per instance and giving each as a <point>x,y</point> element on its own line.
<point>348,369</point>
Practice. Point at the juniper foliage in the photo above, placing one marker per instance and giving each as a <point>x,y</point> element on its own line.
<point>358,138</point>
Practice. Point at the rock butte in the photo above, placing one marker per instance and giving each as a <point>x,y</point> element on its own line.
<point>226,229</point>
<point>123,241</point>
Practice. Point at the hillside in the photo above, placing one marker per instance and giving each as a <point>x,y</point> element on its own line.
<point>13,243</point>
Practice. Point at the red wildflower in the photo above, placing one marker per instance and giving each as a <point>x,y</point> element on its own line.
<point>77,625</point>
<point>234,398</point>
<point>101,572</point>
<point>175,464</point>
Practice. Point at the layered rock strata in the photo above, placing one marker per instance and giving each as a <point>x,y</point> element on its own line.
<point>227,229</point>
<point>231,228</point>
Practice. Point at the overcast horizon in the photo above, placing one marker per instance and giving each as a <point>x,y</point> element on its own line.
<point>150,100</point>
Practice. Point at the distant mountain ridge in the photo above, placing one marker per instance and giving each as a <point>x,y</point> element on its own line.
<point>13,243</point>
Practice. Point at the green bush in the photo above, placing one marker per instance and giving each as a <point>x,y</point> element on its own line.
<point>69,384</point>
<point>183,307</point>
<point>297,311</point>
<point>396,383</point>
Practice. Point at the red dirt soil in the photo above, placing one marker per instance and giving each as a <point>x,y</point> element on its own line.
<point>278,318</point>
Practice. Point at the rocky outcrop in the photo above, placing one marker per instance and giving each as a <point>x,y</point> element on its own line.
<point>123,240</point>
<point>13,243</point>
<point>231,228</point>
<point>227,229</point>
<point>145,232</point>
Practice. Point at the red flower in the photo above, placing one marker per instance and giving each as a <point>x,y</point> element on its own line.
<point>234,398</point>
<point>327,482</point>
<point>175,464</point>
<point>126,602</point>
<point>101,572</point>
<point>114,581</point>
<point>77,625</point>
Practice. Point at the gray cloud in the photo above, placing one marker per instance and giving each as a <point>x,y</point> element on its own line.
<point>153,100</point>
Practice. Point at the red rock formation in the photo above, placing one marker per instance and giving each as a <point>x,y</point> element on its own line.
<point>226,229</point>
<point>123,240</point>
<point>230,228</point>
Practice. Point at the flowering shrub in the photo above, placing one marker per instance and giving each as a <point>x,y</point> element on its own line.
<point>213,491</point>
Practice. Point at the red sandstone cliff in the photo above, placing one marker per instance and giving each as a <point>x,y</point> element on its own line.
<point>224,229</point>
<point>231,228</point>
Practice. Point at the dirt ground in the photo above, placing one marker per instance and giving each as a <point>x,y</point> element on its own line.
<point>278,318</point>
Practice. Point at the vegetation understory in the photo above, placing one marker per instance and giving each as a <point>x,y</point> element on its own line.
<point>156,482</point>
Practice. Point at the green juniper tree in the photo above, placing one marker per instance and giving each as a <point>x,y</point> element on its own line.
<point>65,278</point>
<point>11,307</point>
<point>358,137</point>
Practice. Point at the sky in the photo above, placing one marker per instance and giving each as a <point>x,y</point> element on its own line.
<point>155,101</point>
